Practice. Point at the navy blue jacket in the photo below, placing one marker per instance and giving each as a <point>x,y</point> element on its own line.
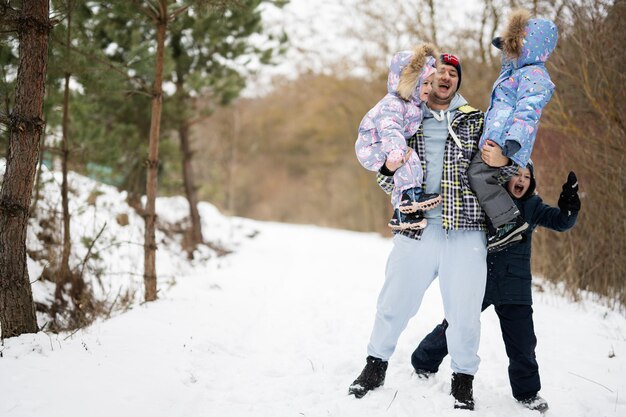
<point>508,271</point>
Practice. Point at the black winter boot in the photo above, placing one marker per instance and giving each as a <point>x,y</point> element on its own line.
<point>423,373</point>
<point>372,376</point>
<point>505,235</point>
<point>462,391</point>
<point>402,221</point>
<point>413,200</point>
<point>535,403</point>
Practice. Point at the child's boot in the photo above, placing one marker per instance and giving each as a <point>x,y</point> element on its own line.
<point>506,234</point>
<point>427,202</point>
<point>535,403</point>
<point>413,200</point>
<point>402,221</point>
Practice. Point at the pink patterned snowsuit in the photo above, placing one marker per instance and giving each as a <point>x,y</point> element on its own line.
<point>386,127</point>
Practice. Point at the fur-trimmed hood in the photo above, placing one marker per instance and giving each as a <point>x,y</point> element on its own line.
<point>527,41</point>
<point>408,69</point>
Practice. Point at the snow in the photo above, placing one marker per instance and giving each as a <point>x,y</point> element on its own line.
<point>279,329</point>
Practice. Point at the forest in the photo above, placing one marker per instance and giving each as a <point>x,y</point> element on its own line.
<point>148,96</point>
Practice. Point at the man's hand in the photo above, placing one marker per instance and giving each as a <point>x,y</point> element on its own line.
<point>393,166</point>
<point>492,155</point>
<point>568,200</point>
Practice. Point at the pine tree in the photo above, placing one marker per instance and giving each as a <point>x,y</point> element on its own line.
<point>204,45</point>
<point>25,126</point>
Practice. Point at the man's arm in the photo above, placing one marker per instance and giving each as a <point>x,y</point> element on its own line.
<point>493,156</point>
<point>385,181</point>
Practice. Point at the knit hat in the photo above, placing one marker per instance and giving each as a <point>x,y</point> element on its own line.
<point>453,60</point>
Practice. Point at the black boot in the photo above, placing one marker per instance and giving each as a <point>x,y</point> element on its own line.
<point>413,200</point>
<point>423,373</point>
<point>372,376</point>
<point>535,403</point>
<point>404,221</point>
<point>462,391</point>
<point>506,234</point>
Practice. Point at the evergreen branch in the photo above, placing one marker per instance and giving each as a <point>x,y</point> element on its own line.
<point>147,8</point>
<point>175,13</point>
<point>151,12</point>
<point>163,9</point>
<point>143,86</point>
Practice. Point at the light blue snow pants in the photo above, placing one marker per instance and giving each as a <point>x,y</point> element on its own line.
<point>459,259</point>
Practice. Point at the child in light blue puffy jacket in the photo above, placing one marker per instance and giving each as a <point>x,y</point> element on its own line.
<point>385,128</point>
<point>518,97</point>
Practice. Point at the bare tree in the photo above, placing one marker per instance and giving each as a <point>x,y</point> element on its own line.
<point>25,125</point>
<point>433,21</point>
<point>587,113</point>
<point>63,274</point>
<point>385,30</point>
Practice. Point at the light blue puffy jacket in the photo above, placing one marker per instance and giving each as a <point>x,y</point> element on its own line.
<point>522,90</point>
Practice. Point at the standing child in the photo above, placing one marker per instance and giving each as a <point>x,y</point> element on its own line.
<point>517,99</point>
<point>509,290</point>
<point>395,118</point>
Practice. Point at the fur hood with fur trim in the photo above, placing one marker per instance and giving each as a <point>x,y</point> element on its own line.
<point>527,41</point>
<point>397,116</point>
<point>523,87</point>
<point>408,69</point>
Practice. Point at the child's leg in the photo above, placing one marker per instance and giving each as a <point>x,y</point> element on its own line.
<point>516,322</point>
<point>408,194</point>
<point>492,196</point>
<point>369,150</point>
<point>433,348</point>
<point>407,177</point>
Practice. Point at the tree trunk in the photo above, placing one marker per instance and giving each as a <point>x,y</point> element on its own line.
<point>433,21</point>
<point>195,233</point>
<point>232,164</point>
<point>63,274</point>
<point>150,277</point>
<point>17,312</point>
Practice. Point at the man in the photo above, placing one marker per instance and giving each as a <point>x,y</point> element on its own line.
<point>452,246</point>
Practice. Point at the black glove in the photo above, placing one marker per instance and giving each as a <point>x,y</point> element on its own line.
<point>568,200</point>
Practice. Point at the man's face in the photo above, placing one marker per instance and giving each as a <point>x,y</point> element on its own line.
<point>518,185</point>
<point>446,83</point>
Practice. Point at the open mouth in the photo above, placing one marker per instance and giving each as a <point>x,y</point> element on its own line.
<point>519,189</point>
<point>444,87</point>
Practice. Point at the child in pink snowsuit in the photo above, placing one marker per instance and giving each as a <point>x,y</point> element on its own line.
<point>386,127</point>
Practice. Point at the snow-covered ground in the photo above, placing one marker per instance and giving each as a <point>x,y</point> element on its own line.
<point>279,329</point>
<point>108,235</point>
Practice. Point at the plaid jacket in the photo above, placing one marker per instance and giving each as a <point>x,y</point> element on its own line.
<point>460,210</point>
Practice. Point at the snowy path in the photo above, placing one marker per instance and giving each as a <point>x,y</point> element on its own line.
<point>280,330</point>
